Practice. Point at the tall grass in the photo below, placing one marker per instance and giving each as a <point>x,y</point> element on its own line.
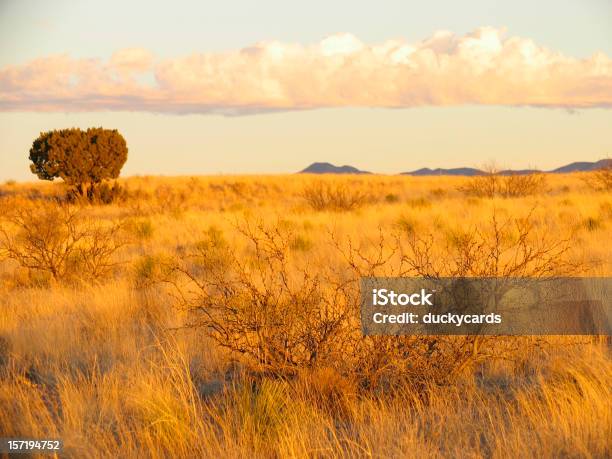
<point>107,366</point>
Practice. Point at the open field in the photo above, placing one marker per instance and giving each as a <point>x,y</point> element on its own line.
<point>113,349</point>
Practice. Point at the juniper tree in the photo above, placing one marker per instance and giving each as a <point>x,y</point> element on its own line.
<point>80,158</point>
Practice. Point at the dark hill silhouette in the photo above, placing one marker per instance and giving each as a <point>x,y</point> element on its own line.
<point>468,171</point>
<point>328,168</point>
<point>583,166</point>
<point>580,166</point>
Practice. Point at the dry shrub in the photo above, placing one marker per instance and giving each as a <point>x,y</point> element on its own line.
<point>502,247</point>
<point>59,240</point>
<point>505,249</point>
<point>263,304</point>
<point>515,186</point>
<point>283,315</point>
<point>336,197</point>
<point>601,179</point>
<point>481,186</point>
<point>152,269</point>
<point>493,184</point>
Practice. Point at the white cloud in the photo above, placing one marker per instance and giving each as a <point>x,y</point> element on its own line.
<point>482,68</point>
<point>131,60</point>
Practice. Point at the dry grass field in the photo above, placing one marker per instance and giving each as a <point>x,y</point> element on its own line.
<point>218,317</point>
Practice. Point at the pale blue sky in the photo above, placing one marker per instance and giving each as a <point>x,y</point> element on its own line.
<point>376,139</point>
<point>88,28</point>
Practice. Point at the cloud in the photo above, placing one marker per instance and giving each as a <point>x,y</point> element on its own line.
<point>131,60</point>
<point>480,68</point>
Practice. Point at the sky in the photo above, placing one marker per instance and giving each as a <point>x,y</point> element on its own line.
<point>200,87</point>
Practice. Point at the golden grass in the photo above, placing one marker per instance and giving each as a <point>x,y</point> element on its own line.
<point>103,366</point>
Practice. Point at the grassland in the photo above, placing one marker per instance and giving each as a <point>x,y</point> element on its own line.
<point>106,363</point>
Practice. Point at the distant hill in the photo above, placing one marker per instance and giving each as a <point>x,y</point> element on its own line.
<point>580,166</point>
<point>328,168</point>
<point>583,166</point>
<point>469,171</point>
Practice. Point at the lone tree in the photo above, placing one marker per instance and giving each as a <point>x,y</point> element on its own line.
<point>81,158</point>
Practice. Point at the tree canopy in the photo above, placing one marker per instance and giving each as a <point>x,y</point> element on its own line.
<point>78,157</point>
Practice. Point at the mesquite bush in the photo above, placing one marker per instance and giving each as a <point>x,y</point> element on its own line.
<point>262,301</point>
<point>60,240</point>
